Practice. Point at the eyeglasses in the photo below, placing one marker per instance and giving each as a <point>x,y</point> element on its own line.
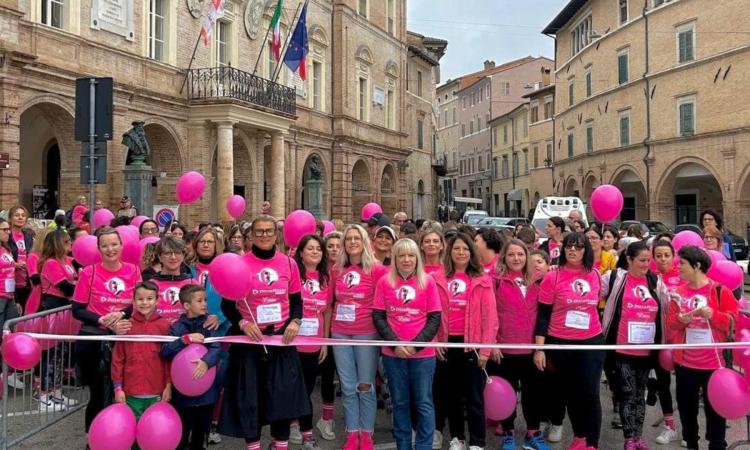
<point>171,254</point>
<point>6,229</point>
<point>266,232</point>
<point>577,247</point>
<point>205,242</point>
<point>150,231</point>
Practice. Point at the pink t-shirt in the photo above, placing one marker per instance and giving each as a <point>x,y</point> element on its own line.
<point>32,264</point>
<point>53,272</point>
<point>169,306</point>
<point>574,295</point>
<point>107,291</point>
<point>458,292</point>
<point>353,292</point>
<point>431,269</point>
<point>698,330</point>
<point>490,266</point>
<point>672,279</point>
<point>7,274</point>
<point>272,281</point>
<point>406,306</point>
<point>21,274</point>
<point>554,250</point>
<point>638,313</point>
<point>201,273</point>
<point>315,300</point>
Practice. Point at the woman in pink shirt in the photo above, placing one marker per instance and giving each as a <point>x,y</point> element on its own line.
<point>354,288</point>
<point>8,305</point>
<point>432,245</point>
<point>406,308</point>
<point>555,229</point>
<point>472,317</point>
<point>632,316</point>
<point>488,243</point>
<point>700,312</point>
<point>21,241</point>
<point>102,300</point>
<point>567,314</point>
<point>174,274</point>
<point>517,295</point>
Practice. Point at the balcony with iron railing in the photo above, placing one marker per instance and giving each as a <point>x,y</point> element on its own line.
<point>228,84</point>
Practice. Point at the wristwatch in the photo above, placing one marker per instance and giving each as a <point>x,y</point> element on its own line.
<point>297,321</point>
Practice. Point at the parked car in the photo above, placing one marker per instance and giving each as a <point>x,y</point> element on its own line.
<point>497,223</point>
<point>739,244</point>
<point>649,228</point>
<point>625,224</point>
<point>473,216</point>
<point>515,221</point>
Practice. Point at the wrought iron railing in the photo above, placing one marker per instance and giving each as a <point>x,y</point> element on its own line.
<point>216,83</point>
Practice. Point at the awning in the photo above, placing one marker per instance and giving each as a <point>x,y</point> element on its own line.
<point>516,195</point>
<point>476,201</point>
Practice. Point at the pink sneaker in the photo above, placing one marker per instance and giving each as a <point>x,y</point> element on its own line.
<point>640,444</point>
<point>577,444</point>
<point>365,441</point>
<point>630,444</point>
<point>352,441</point>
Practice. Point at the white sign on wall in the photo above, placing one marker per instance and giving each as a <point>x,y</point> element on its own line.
<point>378,96</point>
<point>115,16</point>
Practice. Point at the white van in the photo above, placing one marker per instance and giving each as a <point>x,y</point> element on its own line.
<point>473,216</point>
<point>556,207</point>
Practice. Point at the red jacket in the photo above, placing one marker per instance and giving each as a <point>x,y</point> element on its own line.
<point>138,366</point>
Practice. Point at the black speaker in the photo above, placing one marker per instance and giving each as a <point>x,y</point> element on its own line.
<point>102,111</point>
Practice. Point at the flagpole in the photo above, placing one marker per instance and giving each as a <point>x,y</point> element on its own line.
<point>286,44</point>
<point>190,64</point>
<point>262,46</point>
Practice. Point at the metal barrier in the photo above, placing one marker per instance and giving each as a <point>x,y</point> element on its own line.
<point>37,398</point>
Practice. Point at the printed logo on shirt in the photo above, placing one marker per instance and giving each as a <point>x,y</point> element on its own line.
<point>697,302</point>
<point>268,276</point>
<point>21,244</point>
<point>115,286</point>
<point>406,294</point>
<point>7,257</point>
<point>457,287</point>
<point>171,295</point>
<point>581,287</point>
<point>312,286</point>
<point>642,293</point>
<point>351,279</point>
<point>70,269</point>
<point>203,278</point>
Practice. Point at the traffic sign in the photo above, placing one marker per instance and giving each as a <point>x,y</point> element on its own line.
<point>164,216</point>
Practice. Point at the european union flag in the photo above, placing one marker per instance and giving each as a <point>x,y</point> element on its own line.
<point>297,51</point>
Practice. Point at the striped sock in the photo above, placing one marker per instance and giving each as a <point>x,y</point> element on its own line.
<point>327,411</point>
<point>280,445</point>
<point>669,421</point>
<point>253,445</point>
<point>307,436</point>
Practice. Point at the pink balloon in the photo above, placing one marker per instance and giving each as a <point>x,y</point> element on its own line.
<point>113,428</point>
<point>130,244</point>
<point>37,325</point>
<point>297,224</point>
<point>64,323</point>
<point>182,371</point>
<point>499,399</point>
<point>102,218</point>
<point>159,428</point>
<point>328,227</point>
<point>729,394</point>
<point>665,360</point>
<point>230,276</point>
<point>715,256</point>
<point>86,250</point>
<point>34,300</point>
<point>606,202</point>
<point>727,273</point>
<point>190,187</point>
<point>21,351</point>
<point>236,206</point>
<point>368,210</point>
<point>137,220</point>
<point>687,237</point>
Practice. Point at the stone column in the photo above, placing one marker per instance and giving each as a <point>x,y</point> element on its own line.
<point>224,167</point>
<point>10,141</point>
<point>278,180</point>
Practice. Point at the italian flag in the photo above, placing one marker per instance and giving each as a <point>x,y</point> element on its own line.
<point>276,27</point>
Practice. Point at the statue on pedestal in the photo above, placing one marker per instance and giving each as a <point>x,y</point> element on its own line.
<point>135,140</point>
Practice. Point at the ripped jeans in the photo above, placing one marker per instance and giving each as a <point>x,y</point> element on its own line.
<point>357,366</point>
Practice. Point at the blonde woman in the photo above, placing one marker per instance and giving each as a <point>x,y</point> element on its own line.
<point>407,308</point>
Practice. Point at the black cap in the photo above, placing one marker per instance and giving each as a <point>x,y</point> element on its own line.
<point>378,219</point>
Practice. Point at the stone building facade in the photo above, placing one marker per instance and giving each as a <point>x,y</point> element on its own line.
<point>446,103</point>
<point>510,155</point>
<point>327,144</point>
<point>647,99</point>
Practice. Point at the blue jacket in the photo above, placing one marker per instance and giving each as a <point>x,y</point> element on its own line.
<point>213,299</point>
<point>169,350</point>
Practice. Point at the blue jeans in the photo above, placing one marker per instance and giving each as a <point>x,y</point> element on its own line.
<point>357,365</point>
<point>411,379</point>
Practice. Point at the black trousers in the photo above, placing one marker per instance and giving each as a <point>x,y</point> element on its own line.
<point>632,379</point>
<point>664,391</point>
<point>690,383</point>
<point>576,374</point>
<point>196,424</point>
<point>327,371</point>
<point>459,384</point>
<point>522,374</point>
<point>94,359</point>
<point>310,370</point>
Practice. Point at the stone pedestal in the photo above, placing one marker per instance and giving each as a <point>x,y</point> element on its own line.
<point>314,197</point>
<point>137,185</point>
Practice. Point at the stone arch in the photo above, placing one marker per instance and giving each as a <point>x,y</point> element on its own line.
<point>388,185</point>
<point>244,174</point>
<point>318,34</point>
<point>536,199</point>
<point>364,54</point>
<point>361,183</point>
<point>166,161</point>
<point>170,128</point>
<point>391,69</point>
<point>314,195</point>
<point>633,191</point>
<point>687,186</point>
<point>571,187</point>
<point>590,182</point>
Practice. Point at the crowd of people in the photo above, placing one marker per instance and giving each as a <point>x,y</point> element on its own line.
<point>412,282</point>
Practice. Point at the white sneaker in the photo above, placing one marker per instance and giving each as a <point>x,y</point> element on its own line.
<point>295,437</point>
<point>437,440</point>
<point>15,381</point>
<point>46,404</point>
<point>58,397</point>
<point>666,436</point>
<point>456,445</point>
<point>326,429</point>
<point>311,444</point>
<point>214,437</point>
<point>555,433</point>
<point>476,447</point>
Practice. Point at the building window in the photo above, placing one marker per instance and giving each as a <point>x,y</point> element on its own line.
<point>461,168</point>
<point>454,116</point>
<point>156,29</point>
<point>623,11</point>
<point>53,13</point>
<point>686,115</point>
<point>525,125</point>
<point>363,99</point>
<point>391,109</point>
<point>471,127</point>
<point>494,168</point>
<point>419,83</point>
<point>515,164</point>
<point>571,143</point>
<point>571,91</point>
<point>479,124</point>
<point>505,167</point>
<point>420,135</point>
<point>391,13</point>
<point>505,134</point>
<point>494,136</point>
<point>463,129</point>
<point>480,163</point>
<point>536,156</point>
<point>660,2</point>
<point>622,66</point>
<point>548,159</point>
<point>548,108</point>
<point>464,102</point>
<point>590,137</point>
<point>222,43</point>
<point>506,88</point>
<point>525,161</point>
<point>534,112</point>
<point>580,37</point>
<point>686,43</point>
<point>624,128</point>
<point>588,82</point>
<point>271,61</point>
<point>317,75</point>
<point>362,8</point>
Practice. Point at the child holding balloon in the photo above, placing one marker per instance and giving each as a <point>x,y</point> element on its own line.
<point>195,410</point>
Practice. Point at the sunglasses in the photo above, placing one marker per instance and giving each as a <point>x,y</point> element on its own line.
<point>578,247</point>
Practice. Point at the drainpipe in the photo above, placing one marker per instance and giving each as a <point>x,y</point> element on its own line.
<point>647,140</point>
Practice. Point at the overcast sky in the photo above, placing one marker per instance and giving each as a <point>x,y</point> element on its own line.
<point>476,30</point>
